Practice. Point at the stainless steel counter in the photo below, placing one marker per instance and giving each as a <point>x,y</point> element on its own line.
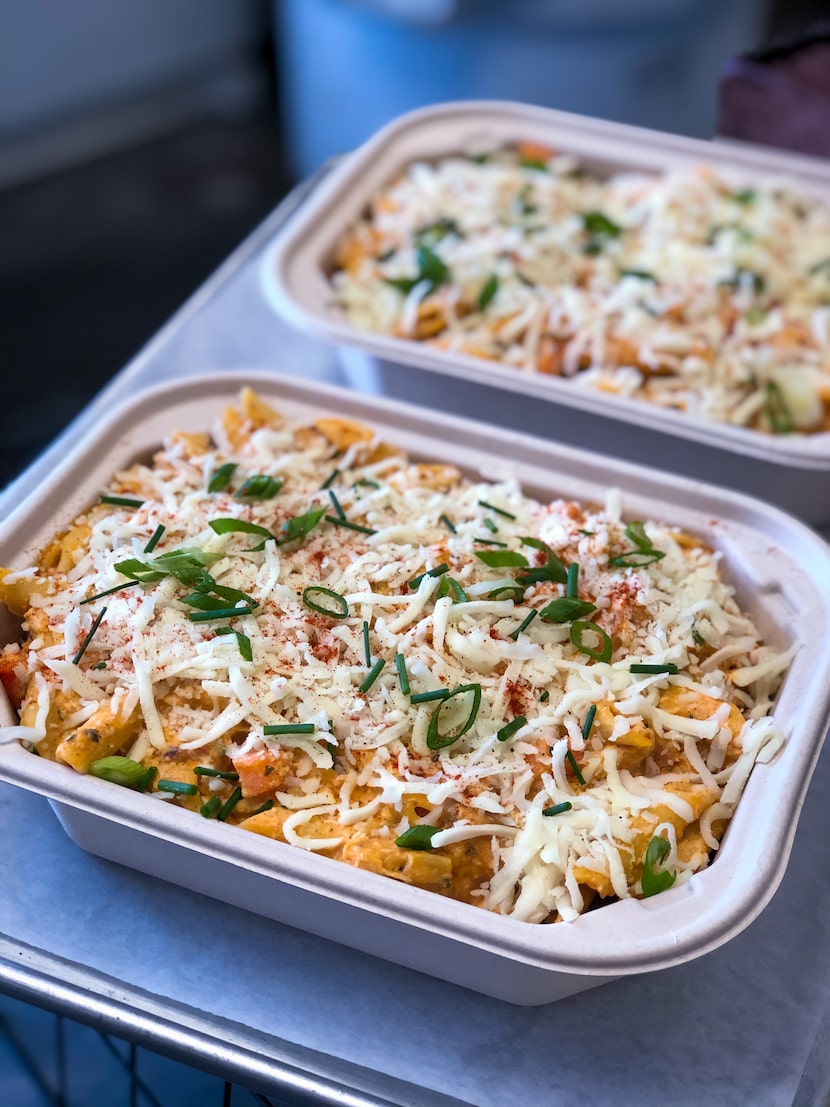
<point>284,1012</point>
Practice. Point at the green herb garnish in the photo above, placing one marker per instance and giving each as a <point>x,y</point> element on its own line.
<point>430,268</point>
<point>299,526</point>
<point>523,625</point>
<point>417,837</point>
<point>108,592</point>
<point>578,631</point>
<point>349,525</point>
<point>231,526</point>
<point>229,804</point>
<point>155,538</point>
<point>569,756</point>
<point>553,569</point>
<point>367,652</point>
<point>655,881</point>
<point>289,728</point>
<point>491,526</point>
<point>488,291</point>
<point>436,740</point>
<point>566,609</point>
<point>403,676</point>
<point>589,722</point>
<point>330,479</point>
<point>118,770</point>
<point>449,586</point>
<point>447,523</point>
<point>667,668</point>
<point>122,501</point>
<point>242,640</point>
<point>218,613</point>
<point>558,808</point>
<point>438,571</point>
<point>221,478</point>
<point>506,559</point>
<point>265,807</point>
<point>776,409</point>
<point>428,697</point>
<point>509,729</point>
<point>76,660</point>
<point>219,774</point>
<point>260,487</point>
<point>209,809</point>
<point>335,503</point>
<point>338,607</point>
<point>599,229</point>
<point>573,581</point>
<point>177,787</point>
<point>498,510</point>
<point>372,675</point>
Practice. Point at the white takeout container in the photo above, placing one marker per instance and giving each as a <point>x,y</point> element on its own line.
<point>780,569</point>
<point>793,471</point>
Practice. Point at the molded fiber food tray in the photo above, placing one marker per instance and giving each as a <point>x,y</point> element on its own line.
<point>782,574</point>
<point>791,471</point>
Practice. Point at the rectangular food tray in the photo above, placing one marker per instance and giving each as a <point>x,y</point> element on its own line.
<point>780,569</point>
<point>793,471</point>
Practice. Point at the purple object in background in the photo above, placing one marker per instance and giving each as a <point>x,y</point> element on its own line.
<point>780,96</point>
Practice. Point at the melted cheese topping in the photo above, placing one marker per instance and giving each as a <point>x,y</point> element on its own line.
<point>667,753</point>
<point>681,289</point>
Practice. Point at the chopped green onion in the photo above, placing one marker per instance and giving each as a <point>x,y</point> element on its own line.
<point>229,804</point>
<point>745,196</point>
<point>576,769</point>
<point>108,592</point>
<point>330,479</point>
<point>653,881</point>
<point>435,232</point>
<point>230,526</point>
<point>445,519</point>
<point>427,697</point>
<point>489,542</point>
<point>587,533</point>
<point>507,592</point>
<point>340,608</point>
<point>566,609</point>
<point>76,660</point>
<point>668,668</point>
<point>364,483</point>
<point>523,625</point>
<point>349,525</point>
<point>491,526</point>
<point>438,571</point>
<point>636,559</point>
<point>450,587</point>
<point>636,532</point>
<point>265,807</point>
<point>558,808</point>
<point>290,728</point>
<point>246,650</point>
<point>403,676</point>
<point>299,526</point>
<point>118,770</point>
<point>640,274</point>
<point>599,229</point>
<point>235,595</point>
<point>148,778</point>
<point>221,613</point>
<point>755,315</point>
<point>533,163</point>
<point>488,291</point>
<point>498,510</point>
<point>156,538</point>
<point>509,729</point>
<point>589,722</point>
<point>776,409</point>
<point>553,569</point>
<point>438,741</point>
<point>220,774</point>
<point>508,559</point>
<point>221,478</point>
<point>372,675</point>
<point>573,580</point>
<point>260,487</point>
<point>139,571</point>
<point>335,503</point>
<point>209,809</point>
<point>544,695</point>
<point>122,501</point>
<point>100,665</point>
<point>366,648</point>
<point>417,837</point>
<point>578,631</point>
<point>430,268</point>
<point>204,602</point>
<point>177,787</point>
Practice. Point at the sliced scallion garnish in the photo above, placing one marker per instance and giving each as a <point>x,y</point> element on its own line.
<point>544,695</point>
<point>558,808</point>
<point>450,587</point>
<point>122,501</point>
<point>509,729</point>
<point>553,569</point>
<point>438,571</point>
<point>219,774</point>
<point>220,613</point>
<point>403,676</point>
<point>445,519</point>
<point>109,592</point>
<point>364,483</point>
<point>299,526</point>
<point>367,652</point>
<point>589,722</point>
<point>489,542</point>
<point>436,740</point>
<point>573,581</point>
<point>491,526</point>
<point>148,778</point>
<point>372,675</point>
<point>349,525</point>
<point>289,728</point>
<point>668,667</point>
<point>523,625</point>
<point>221,477</point>
<point>118,770</point>
<point>565,609</point>
<point>428,697</point>
<point>155,538</point>
<point>776,409</point>
<point>241,526</point>
<point>498,510</point>
<point>260,487</point>
<point>335,503</point>
<point>656,881</point>
<point>507,592</point>
<point>417,837</point>
<point>498,559</point>
<point>330,479</point>
<point>603,651</point>
<point>636,559</point>
<point>209,809</point>
<point>246,650</point>
<point>488,291</point>
<point>576,769</point>
<point>177,787</point>
<point>76,660</point>
<point>229,804</point>
<point>338,606</point>
<point>265,807</point>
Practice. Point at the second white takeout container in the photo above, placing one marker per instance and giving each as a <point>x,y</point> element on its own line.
<point>793,471</point>
<point>780,569</point>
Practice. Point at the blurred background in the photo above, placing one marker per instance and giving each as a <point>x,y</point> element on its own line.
<point>141,140</point>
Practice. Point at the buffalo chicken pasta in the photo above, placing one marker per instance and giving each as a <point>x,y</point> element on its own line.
<point>298,630</point>
<point>681,288</point>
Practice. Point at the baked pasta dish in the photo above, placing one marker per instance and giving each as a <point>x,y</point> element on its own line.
<point>299,630</point>
<point>681,289</point>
